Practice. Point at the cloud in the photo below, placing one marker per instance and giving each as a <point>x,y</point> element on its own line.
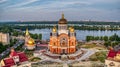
<point>2,1</point>
<point>74,9</point>
<point>23,3</point>
<point>53,5</point>
<point>62,4</point>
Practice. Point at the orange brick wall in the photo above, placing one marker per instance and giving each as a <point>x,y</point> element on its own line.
<point>55,41</point>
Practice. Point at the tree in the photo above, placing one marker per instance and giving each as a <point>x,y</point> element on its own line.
<point>96,38</point>
<point>101,38</point>
<point>35,36</point>
<point>88,38</point>
<point>114,37</point>
<point>114,43</point>
<point>2,47</point>
<point>107,43</point>
<point>15,33</point>
<point>105,38</point>
<point>40,36</point>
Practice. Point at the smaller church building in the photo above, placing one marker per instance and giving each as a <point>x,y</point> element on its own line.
<point>15,59</point>
<point>62,39</point>
<point>29,42</point>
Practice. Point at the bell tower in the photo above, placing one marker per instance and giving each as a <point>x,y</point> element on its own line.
<point>62,25</point>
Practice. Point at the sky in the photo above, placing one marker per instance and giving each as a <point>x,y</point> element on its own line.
<point>51,10</point>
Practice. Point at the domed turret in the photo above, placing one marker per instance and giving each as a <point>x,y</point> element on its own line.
<point>71,29</point>
<point>62,20</point>
<point>30,44</point>
<point>54,29</point>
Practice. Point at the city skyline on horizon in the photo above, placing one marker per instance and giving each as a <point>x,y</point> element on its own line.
<point>50,10</point>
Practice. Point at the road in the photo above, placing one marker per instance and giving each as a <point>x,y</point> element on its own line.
<point>4,53</point>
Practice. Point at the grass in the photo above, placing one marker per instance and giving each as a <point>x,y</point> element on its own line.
<point>29,53</point>
<point>35,59</point>
<point>98,56</point>
<point>89,46</point>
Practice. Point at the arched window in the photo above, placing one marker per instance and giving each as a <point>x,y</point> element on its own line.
<point>54,44</point>
<point>63,42</point>
<point>72,43</point>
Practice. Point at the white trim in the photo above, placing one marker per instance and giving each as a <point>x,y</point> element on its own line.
<point>72,46</point>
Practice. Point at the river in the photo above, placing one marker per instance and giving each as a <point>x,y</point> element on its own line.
<point>80,34</point>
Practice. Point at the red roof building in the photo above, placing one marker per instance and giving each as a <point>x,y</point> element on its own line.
<point>16,58</point>
<point>112,53</point>
<point>113,58</point>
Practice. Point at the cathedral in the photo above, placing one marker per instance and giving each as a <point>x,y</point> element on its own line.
<point>62,38</point>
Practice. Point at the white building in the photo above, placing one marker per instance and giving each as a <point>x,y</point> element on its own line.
<point>4,38</point>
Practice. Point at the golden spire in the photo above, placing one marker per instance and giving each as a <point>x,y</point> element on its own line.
<point>27,32</point>
<point>62,15</point>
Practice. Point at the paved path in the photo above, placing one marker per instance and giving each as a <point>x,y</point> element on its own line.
<point>65,65</point>
<point>87,54</point>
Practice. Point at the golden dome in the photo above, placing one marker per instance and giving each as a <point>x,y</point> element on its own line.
<point>31,41</point>
<point>62,20</point>
<point>71,29</point>
<point>54,29</point>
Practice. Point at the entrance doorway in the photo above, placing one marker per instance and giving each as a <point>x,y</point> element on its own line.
<point>63,51</point>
